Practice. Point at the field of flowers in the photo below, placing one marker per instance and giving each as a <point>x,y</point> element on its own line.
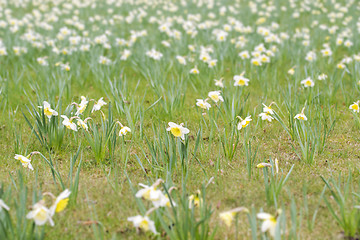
<point>187,119</point>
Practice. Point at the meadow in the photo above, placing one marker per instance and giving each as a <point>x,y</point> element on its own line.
<point>189,119</point>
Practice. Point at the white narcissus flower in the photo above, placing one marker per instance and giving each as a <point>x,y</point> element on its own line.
<point>25,161</point>
<point>228,216</point>
<point>47,110</point>
<point>322,76</point>
<point>82,106</point>
<point>301,116</point>
<point>194,70</point>
<point>98,105</point>
<point>265,116</point>
<point>219,83</point>
<point>68,123</point>
<point>124,130</point>
<point>268,109</point>
<point>240,80</point>
<point>269,222</point>
<point>3,205</point>
<point>216,96</point>
<point>263,165</point>
<point>181,60</point>
<point>308,82</point>
<point>355,106</point>
<point>40,214</point>
<point>61,202</point>
<point>177,130</point>
<point>83,124</point>
<point>244,122</point>
<point>144,223</point>
<point>203,104</point>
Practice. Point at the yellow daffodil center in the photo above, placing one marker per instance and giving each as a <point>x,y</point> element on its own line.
<point>241,82</point>
<point>41,215</point>
<point>215,97</point>
<point>355,107</point>
<point>144,225</point>
<point>47,112</point>
<point>308,83</point>
<point>62,205</point>
<point>176,131</point>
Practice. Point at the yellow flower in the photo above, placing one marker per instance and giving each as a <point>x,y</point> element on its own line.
<point>263,165</point>
<point>355,106</point>
<point>61,202</point>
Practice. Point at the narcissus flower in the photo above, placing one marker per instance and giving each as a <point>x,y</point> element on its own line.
<point>25,161</point>
<point>355,106</point>
<point>228,216</point>
<point>268,109</point>
<point>61,202</point>
<point>80,108</point>
<point>194,70</point>
<point>40,214</point>
<point>68,123</point>
<point>124,130</point>
<point>47,110</point>
<point>177,130</point>
<point>240,80</point>
<point>3,205</point>
<point>203,104</point>
<point>243,122</point>
<point>263,165</point>
<point>308,82</point>
<point>216,96</point>
<point>144,223</point>
<point>98,105</point>
<point>301,116</point>
<point>269,222</point>
<point>219,82</point>
<point>195,200</point>
<point>322,76</point>
<point>291,71</point>
<point>265,116</point>
<point>83,124</point>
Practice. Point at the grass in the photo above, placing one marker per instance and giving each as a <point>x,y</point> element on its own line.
<point>102,169</point>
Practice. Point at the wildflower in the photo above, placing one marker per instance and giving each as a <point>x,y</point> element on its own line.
<point>149,193</point>
<point>104,60</point>
<point>195,200</point>
<point>181,60</point>
<point>268,109</point>
<point>240,80</point>
<point>25,161</point>
<point>98,105</point>
<point>341,66</point>
<point>355,106</point>
<point>326,52</point>
<point>228,216</point>
<point>40,214</point>
<point>123,129</point>
<point>263,165</point>
<point>308,82</point>
<point>194,70</point>
<point>219,82</point>
<point>215,96</point>
<point>68,123</point>
<point>322,76</point>
<point>291,71</point>
<point>143,223</point>
<point>80,108</point>
<point>82,123</point>
<point>269,222</point>
<point>3,205</point>
<point>177,130</point>
<point>265,116</point>
<point>212,63</point>
<point>60,202</point>
<point>301,116</point>
<point>203,104</point>
<point>243,122</point>
<point>47,110</point>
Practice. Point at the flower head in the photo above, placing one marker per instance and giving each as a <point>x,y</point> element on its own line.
<point>203,104</point>
<point>61,202</point>
<point>269,222</point>
<point>144,223</point>
<point>25,161</point>
<point>40,214</point>
<point>243,122</point>
<point>177,130</point>
<point>228,216</point>
<point>47,110</point>
<point>216,96</point>
<point>68,123</point>
<point>355,106</point>
<point>98,105</point>
<point>240,80</point>
<point>301,116</point>
<point>308,82</point>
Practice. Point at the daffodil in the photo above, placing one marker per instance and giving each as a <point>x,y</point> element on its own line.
<point>266,116</point>
<point>322,76</point>
<point>269,222</point>
<point>216,96</point>
<point>355,106</point>
<point>308,82</point>
<point>83,124</point>
<point>124,130</point>
<point>68,123</point>
<point>47,110</point>
<point>240,80</point>
<point>25,161</point>
<point>219,82</point>
<point>263,165</point>
<point>60,202</point>
<point>40,214</point>
<point>143,223</point>
<point>195,200</point>
<point>149,193</point>
<point>177,130</point>
<point>3,205</point>
<point>301,116</point>
<point>194,70</point>
<point>291,71</point>
<point>203,104</point>
<point>97,106</point>
<point>228,216</point>
<point>82,106</point>
<point>268,109</point>
<point>243,122</point>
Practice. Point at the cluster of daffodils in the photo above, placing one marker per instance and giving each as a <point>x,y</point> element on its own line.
<point>42,214</point>
<point>158,198</point>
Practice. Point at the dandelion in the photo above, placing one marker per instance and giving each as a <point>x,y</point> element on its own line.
<point>3,205</point>
<point>228,216</point>
<point>301,116</point>
<point>308,82</point>
<point>177,130</point>
<point>243,122</point>
<point>215,96</point>
<point>97,106</point>
<point>40,214</point>
<point>355,106</point>
<point>47,110</point>
<point>143,223</point>
<point>203,104</point>
<point>269,222</point>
